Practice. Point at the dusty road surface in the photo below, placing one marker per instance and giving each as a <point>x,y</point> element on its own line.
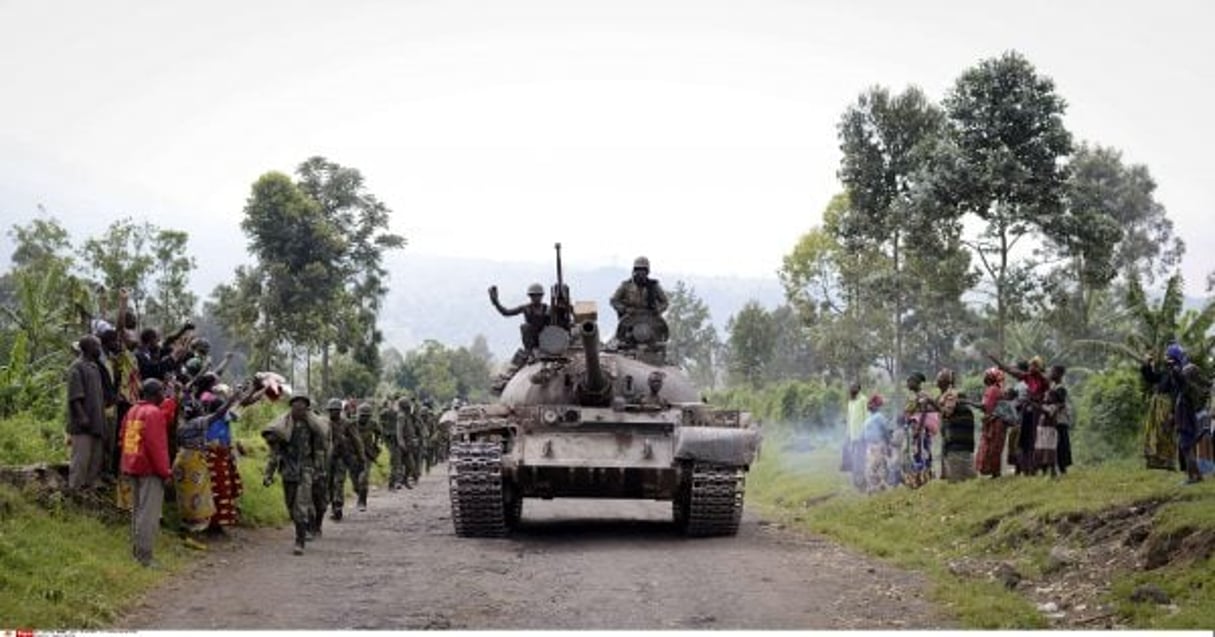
<point>572,564</point>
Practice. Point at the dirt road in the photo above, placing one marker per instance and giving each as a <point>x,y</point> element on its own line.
<point>573,564</point>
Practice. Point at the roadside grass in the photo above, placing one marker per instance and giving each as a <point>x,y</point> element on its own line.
<point>1007,519</point>
<point>62,567</point>
<point>65,565</point>
<point>26,439</point>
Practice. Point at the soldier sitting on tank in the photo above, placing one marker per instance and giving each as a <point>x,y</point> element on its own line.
<point>653,400</point>
<point>535,318</point>
<point>638,301</point>
<point>535,314</point>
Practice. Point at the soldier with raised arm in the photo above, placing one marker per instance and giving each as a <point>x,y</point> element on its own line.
<point>535,314</point>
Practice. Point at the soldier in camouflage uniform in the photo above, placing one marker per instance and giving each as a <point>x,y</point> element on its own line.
<point>297,450</point>
<point>369,431</point>
<point>348,457</point>
<point>426,424</point>
<point>640,298</point>
<point>407,439</point>
<point>388,429</point>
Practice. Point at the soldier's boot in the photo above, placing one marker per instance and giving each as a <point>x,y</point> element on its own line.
<point>362,500</point>
<point>336,516</point>
<point>316,526</point>
<point>301,534</point>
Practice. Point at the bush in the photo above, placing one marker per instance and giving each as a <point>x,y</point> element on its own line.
<point>1110,412</point>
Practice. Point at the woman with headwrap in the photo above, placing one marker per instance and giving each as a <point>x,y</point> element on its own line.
<point>1159,424</point>
<point>991,444</point>
<point>920,420</point>
<point>1036,385</point>
<point>958,430</point>
<point>1192,397</point>
<point>876,438</point>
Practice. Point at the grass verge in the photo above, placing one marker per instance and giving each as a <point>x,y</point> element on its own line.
<point>64,567</point>
<point>941,528</point>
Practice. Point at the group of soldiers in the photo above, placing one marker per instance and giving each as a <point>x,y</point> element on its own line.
<point>317,455</point>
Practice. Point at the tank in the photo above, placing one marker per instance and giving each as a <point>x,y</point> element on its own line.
<point>579,418</point>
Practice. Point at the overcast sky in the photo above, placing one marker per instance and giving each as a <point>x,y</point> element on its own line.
<point>702,134</point>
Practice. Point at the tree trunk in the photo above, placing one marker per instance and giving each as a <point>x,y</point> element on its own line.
<point>1000,291</point>
<point>898,314</point>
<point>325,369</point>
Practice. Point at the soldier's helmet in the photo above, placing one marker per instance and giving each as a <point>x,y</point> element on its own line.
<point>535,289</point>
<point>365,409</point>
<point>334,404</point>
<point>641,263</point>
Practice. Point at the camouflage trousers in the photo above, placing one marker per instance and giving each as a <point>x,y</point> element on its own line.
<point>298,498</point>
<point>409,458</point>
<point>340,469</point>
<point>396,467</point>
<point>320,501</point>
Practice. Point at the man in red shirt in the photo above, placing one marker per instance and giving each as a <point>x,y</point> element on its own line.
<point>145,458</point>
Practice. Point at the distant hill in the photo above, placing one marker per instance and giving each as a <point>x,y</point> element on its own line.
<point>446,299</point>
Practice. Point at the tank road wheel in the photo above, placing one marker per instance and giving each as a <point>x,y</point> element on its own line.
<point>478,508</point>
<point>714,500</point>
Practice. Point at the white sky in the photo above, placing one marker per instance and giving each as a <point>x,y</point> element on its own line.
<point>699,133</point>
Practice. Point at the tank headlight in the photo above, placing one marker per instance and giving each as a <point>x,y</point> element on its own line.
<point>549,416</point>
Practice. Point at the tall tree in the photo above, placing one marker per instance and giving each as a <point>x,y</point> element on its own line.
<point>886,140</point>
<point>693,339</point>
<point>43,300</point>
<point>793,355</point>
<point>152,262</point>
<point>839,293</point>
<point>298,277</point>
<point>1002,163</point>
<point>362,220</point>
<point>751,340</point>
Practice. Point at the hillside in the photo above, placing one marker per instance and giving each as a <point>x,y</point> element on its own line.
<point>445,299</point>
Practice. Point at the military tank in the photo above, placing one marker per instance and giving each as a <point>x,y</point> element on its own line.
<point>583,419</point>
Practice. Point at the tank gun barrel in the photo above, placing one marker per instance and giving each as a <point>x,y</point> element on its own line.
<point>596,387</point>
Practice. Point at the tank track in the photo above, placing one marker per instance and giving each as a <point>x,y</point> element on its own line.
<point>475,476</point>
<point>715,502</point>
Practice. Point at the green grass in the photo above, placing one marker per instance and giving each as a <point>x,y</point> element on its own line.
<point>27,439</point>
<point>1004,519</point>
<point>61,567</point>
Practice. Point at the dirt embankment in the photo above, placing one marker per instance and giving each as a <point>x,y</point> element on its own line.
<point>572,565</point>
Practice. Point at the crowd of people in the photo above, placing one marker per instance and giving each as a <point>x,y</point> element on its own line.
<point>1026,422</point>
<point>146,413</point>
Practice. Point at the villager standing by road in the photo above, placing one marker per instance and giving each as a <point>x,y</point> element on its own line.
<point>86,415</point>
<point>921,422</point>
<point>1159,424</point>
<point>991,445</point>
<point>875,438</point>
<point>145,458</point>
<point>853,456</point>
<point>958,429</point>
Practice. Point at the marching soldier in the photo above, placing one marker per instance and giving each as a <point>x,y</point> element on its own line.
<point>369,431</point>
<point>348,457</point>
<point>297,449</point>
<point>388,428</point>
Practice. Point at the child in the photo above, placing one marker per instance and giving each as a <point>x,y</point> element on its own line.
<point>1006,410</point>
<point>876,434</point>
<point>1047,439</point>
